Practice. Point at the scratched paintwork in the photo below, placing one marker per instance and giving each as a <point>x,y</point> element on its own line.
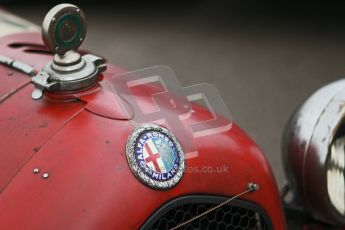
<point>90,184</point>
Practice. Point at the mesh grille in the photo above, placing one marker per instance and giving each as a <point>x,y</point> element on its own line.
<point>236,215</point>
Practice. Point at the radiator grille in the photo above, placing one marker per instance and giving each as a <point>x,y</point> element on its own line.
<point>235,215</point>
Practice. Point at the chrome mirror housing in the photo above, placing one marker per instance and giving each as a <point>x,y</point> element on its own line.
<point>314,153</point>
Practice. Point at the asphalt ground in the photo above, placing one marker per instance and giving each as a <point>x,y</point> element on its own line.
<point>264,58</point>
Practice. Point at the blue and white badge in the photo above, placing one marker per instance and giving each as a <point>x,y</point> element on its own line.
<point>155,156</point>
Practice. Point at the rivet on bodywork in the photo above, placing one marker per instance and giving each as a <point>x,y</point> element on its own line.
<point>36,170</point>
<point>45,175</point>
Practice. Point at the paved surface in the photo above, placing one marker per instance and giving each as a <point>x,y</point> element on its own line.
<point>263,60</point>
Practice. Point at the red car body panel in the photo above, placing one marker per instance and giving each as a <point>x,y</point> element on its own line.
<point>90,185</point>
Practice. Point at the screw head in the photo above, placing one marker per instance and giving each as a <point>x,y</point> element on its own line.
<point>36,170</point>
<point>45,175</point>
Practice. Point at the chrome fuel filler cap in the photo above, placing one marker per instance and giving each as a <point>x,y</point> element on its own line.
<point>63,31</point>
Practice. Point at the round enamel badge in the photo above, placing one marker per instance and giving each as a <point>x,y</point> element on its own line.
<point>155,156</point>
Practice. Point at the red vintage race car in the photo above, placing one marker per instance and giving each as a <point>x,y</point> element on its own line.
<point>88,145</point>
